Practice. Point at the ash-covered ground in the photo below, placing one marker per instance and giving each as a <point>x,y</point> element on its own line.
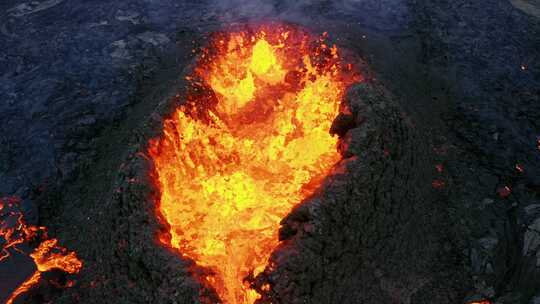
<point>441,205</point>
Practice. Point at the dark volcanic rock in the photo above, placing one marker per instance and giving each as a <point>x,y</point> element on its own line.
<point>342,124</point>
<point>492,51</point>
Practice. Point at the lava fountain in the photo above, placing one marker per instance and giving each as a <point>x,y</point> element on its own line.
<point>251,141</point>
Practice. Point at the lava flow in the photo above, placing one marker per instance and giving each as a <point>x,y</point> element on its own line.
<point>251,141</point>
<point>47,256</point>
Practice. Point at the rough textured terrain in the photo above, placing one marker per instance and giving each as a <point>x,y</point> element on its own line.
<point>422,215</point>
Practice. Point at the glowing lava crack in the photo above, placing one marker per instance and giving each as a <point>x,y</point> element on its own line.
<point>251,141</point>
<point>14,232</point>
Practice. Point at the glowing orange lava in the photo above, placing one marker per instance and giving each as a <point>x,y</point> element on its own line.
<point>251,141</point>
<point>47,256</point>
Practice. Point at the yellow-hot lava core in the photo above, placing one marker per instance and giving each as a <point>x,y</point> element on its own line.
<point>251,141</point>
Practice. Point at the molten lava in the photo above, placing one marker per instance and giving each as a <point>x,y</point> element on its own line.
<point>47,256</point>
<point>251,141</point>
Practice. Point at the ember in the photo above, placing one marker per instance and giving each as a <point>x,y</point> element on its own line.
<point>504,192</point>
<point>437,184</point>
<point>47,256</point>
<point>251,142</point>
<point>481,302</point>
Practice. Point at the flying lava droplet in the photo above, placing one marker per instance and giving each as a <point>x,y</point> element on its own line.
<point>504,191</point>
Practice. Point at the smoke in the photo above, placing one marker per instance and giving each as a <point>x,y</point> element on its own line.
<point>255,10</point>
<point>374,14</point>
<point>235,10</point>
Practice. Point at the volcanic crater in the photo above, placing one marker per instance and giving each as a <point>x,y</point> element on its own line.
<point>254,203</point>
